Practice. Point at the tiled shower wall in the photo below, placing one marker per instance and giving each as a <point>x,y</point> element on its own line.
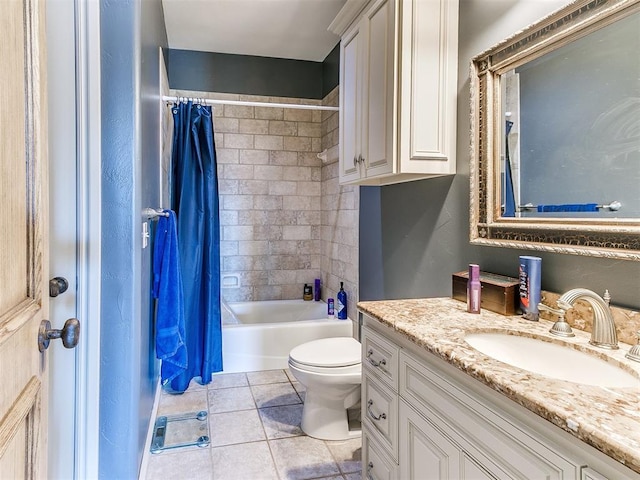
<point>284,219</point>
<point>340,216</point>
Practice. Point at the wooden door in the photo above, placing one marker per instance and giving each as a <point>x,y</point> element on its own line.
<point>23,240</point>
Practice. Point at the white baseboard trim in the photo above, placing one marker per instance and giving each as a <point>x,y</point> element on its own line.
<point>147,444</point>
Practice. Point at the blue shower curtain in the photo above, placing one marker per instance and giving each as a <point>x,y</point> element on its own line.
<point>194,198</point>
<point>508,191</point>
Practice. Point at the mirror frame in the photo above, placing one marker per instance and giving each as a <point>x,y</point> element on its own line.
<point>609,238</point>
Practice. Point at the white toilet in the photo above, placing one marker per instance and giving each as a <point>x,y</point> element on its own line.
<point>331,371</point>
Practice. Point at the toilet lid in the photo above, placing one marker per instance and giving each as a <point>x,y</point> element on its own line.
<point>328,352</point>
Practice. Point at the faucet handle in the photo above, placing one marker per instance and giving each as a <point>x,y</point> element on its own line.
<point>607,297</point>
<point>556,311</point>
<point>634,352</point>
<point>561,328</point>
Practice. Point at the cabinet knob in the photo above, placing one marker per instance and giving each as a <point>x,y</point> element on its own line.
<point>369,470</point>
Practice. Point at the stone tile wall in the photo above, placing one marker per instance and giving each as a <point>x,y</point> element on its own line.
<point>340,217</point>
<point>284,219</point>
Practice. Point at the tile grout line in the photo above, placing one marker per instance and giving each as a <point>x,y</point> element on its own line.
<point>273,458</point>
<point>211,447</point>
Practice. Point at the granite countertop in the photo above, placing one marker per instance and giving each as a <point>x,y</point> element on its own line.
<point>605,418</point>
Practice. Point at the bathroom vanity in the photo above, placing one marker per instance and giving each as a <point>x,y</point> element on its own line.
<point>435,407</point>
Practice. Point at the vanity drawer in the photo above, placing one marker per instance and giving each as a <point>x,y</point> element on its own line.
<point>380,356</point>
<point>376,463</point>
<point>380,413</point>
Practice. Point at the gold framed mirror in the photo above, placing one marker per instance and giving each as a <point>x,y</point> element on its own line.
<point>555,140</point>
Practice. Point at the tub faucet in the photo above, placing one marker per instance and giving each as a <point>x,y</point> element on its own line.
<point>603,333</point>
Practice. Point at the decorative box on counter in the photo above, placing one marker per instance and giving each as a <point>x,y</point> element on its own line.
<point>499,293</point>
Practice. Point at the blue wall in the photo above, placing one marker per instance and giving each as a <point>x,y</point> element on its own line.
<point>250,75</point>
<point>412,252</point>
<point>130,169</point>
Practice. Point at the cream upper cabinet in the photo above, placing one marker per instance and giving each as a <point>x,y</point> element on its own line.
<point>398,76</point>
<point>366,83</point>
<point>349,112</point>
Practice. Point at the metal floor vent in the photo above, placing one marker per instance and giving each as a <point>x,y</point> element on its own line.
<point>185,430</point>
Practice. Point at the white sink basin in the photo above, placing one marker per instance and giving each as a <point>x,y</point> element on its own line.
<point>552,360</point>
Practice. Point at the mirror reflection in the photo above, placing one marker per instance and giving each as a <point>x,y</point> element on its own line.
<point>555,134</point>
<point>570,140</point>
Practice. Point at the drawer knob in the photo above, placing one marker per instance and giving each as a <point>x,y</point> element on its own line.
<point>382,416</point>
<point>369,470</point>
<point>373,362</point>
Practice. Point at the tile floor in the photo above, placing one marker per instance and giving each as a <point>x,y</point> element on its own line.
<point>254,427</point>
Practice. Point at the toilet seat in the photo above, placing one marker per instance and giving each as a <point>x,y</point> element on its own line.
<point>327,354</point>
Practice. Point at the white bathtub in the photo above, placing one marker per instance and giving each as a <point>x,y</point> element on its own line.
<point>260,335</point>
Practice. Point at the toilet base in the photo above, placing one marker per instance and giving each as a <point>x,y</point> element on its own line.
<point>325,419</point>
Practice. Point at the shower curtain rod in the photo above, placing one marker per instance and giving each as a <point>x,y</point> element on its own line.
<point>209,101</point>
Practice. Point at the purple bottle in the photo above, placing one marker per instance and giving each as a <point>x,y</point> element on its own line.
<point>473,289</point>
<point>316,291</point>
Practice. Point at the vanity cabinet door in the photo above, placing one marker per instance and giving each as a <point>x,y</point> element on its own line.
<point>486,440</point>
<point>376,463</point>
<point>424,451</point>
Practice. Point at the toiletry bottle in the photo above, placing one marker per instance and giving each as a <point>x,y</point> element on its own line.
<point>342,303</point>
<point>307,293</point>
<point>316,291</point>
<point>330,308</point>
<point>530,275</point>
<point>473,289</point>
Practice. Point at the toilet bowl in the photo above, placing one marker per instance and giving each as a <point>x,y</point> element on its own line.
<point>331,371</point>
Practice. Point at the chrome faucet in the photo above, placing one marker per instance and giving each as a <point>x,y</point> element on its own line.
<point>603,333</point>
